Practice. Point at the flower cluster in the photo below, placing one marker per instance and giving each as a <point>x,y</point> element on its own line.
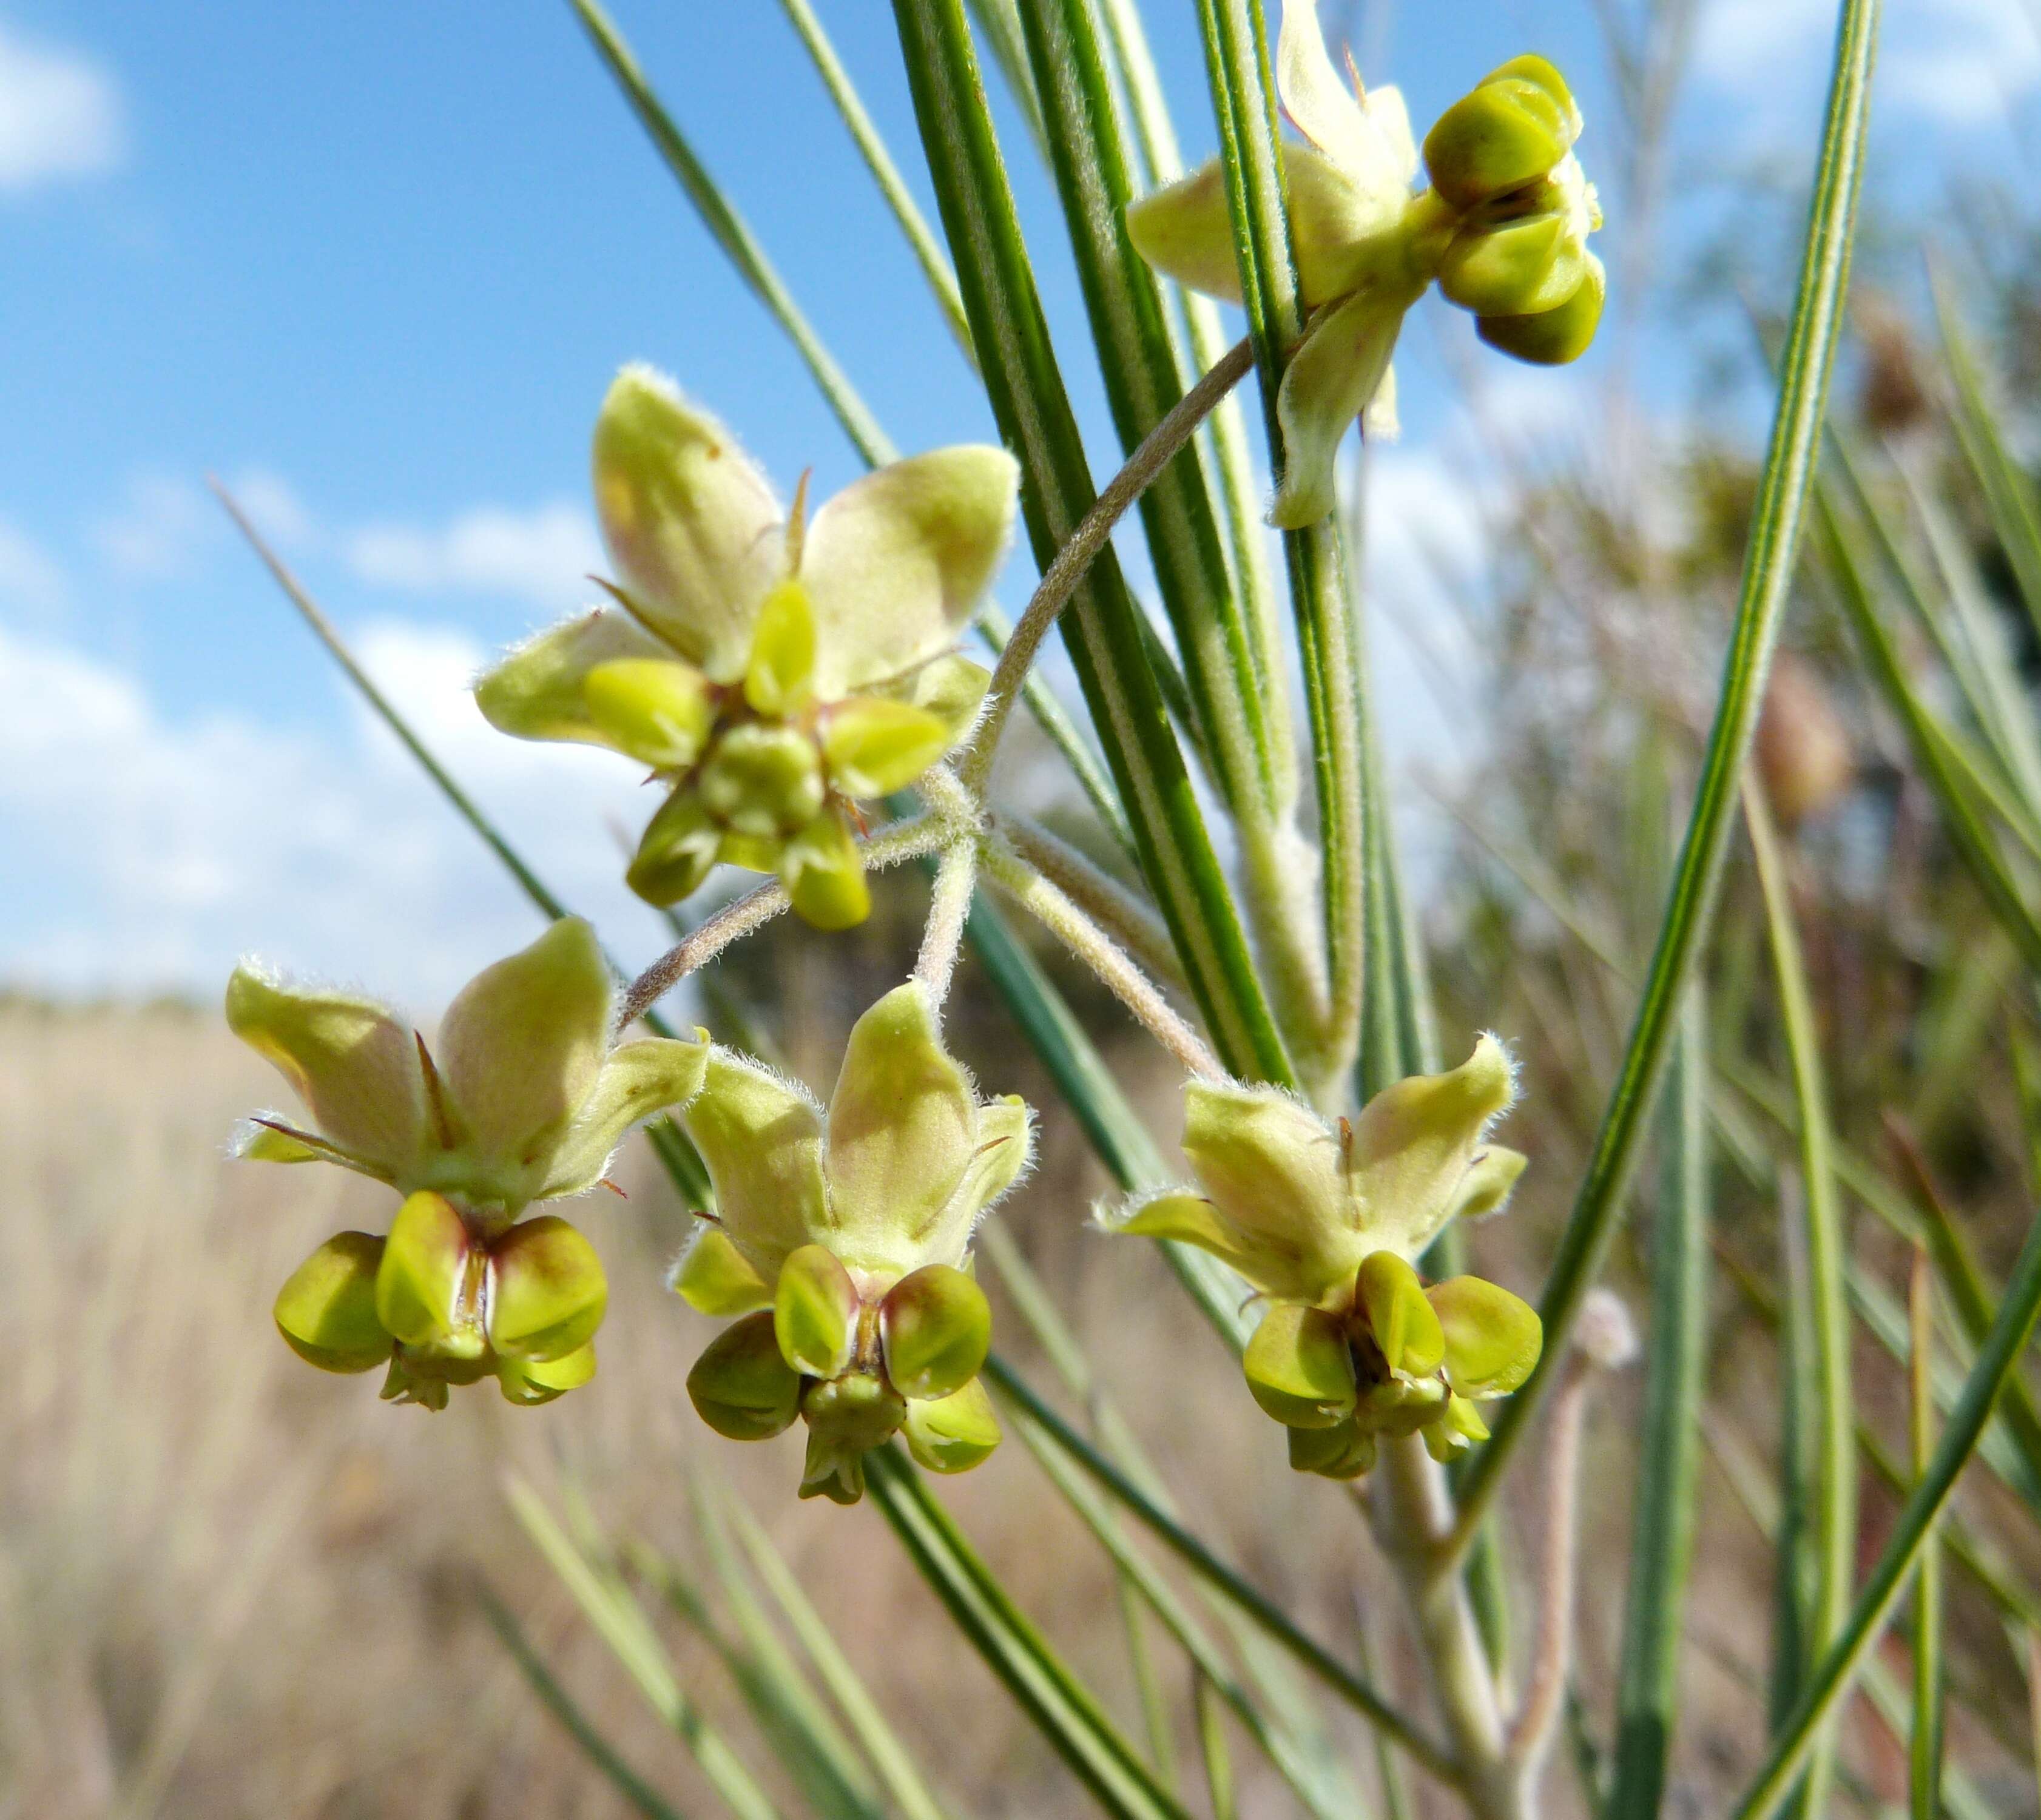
<point>842,1239</point>
<point>524,1101</point>
<point>1502,229</point>
<point>1328,1225</point>
<point>773,670</point>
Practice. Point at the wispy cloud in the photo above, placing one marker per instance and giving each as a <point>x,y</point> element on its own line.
<point>30,578</point>
<point>158,531</point>
<point>60,115</point>
<point>543,556</point>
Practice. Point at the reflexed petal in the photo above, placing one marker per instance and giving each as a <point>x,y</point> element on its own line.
<point>1389,116</point>
<point>1329,380</point>
<point>658,711</point>
<point>713,1278</point>
<point>779,675</point>
<point>522,1047</point>
<point>1493,1338</point>
<point>1298,1367</point>
<point>1273,1169</point>
<point>1317,98</point>
<point>1184,229</point>
<point>824,874</point>
<point>952,1433</point>
<point>814,1312</point>
<point>547,1293</point>
<point>1342,230</point>
<point>1415,1143</point>
<point>1188,1219</point>
<point>762,1137</point>
<point>741,1386</point>
<point>1001,1151</point>
<point>690,520</point>
<point>535,692</point>
<point>874,746</point>
<point>326,1310</point>
<point>896,563</point>
<point>902,1125</point>
<point>678,850</point>
<point>355,1066</point>
<point>637,1079</point>
<point>423,1271</point>
<point>1489,1182</point>
<point>267,1139</point>
<point>937,1327</point>
<point>1404,1327</point>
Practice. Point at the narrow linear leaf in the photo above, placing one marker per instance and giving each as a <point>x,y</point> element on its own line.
<point>1924,1740</point>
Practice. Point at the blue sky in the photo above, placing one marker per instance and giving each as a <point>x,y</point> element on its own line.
<point>375,264</point>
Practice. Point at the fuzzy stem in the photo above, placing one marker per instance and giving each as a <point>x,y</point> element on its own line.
<point>1134,924</point>
<point>948,907</point>
<point>1081,549</point>
<point>1053,908</point>
<point>905,840</point>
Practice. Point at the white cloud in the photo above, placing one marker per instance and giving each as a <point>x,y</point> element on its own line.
<point>30,577</point>
<point>273,505</point>
<point>60,115</point>
<point>146,852</point>
<point>543,556</point>
<point>159,529</point>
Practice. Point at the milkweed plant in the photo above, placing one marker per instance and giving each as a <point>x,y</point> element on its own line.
<point>802,680</point>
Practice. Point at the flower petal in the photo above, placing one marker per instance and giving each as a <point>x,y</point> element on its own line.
<point>1187,1218</point>
<point>896,563</point>
<point>713,1278</point>
<point>1325,111</point>
<point>656,710</point>
<point>535,692</point>
<point>1490,1180</point>
<point>1415,1144</point>
<point>1002,1149</point>
<point>1492,1338</point>
<point>547,1291</point>
<point>936,1326</point>
<point>903,1126</point>
<point>1183,229</point>
<point>689,519</point>
<point>741,1386</point>
<point>762,1137</point>
<point>326,1310</point>
<point>355,1066</point>
<point>815,1312</point>
<point>521,1047</point>
<point>1299,1367</point>
<point>1329,380</point>
<point>1271,1167</point>
<point>1389,116</point>
<point>952,1433</point>
<point>637,1079</point>
<point>422,1277</point>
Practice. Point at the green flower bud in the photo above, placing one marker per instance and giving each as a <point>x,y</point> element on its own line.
<point>1508,132</point>
<point>713,1277</point>
<point>815,1312</point>
<point>1405,1330</point>
<point>937,1327</point>
<point>762,780</point>
<point>1345,1450</point>
<point>741,1386</point>
<point>824,875</point>
<point>327,1310</point>
<point>780,676</point>
<point>952,1433</point>
<point>1298,1367</point>
<point>873,745</point>
<point>424,1292</point>
<point>1554,336</point>
<point>656,712</point>
<point>547,1291</point>
<point>854,1412</point>
<point>1492,1338</point>
<point>677,851</point>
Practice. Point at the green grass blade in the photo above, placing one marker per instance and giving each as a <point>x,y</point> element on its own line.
<point>1827,1319</point>
<point>631,1788</point>
<point>617,1619</point>
<point>1147,1683</point>
<point>1662,1527</point>
<point>895,1764</point>
<point>1924,1742</point>
<point>999,22</point>
<point>1996,1360</point>
<point>1769,567</point>
<point>1061,1707</point>
<point>1100,627</point>
<point>1211,1745</point>
<point>1312,1655</point>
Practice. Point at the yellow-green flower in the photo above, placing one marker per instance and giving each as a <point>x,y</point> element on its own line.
<point>842,1238</point>
<point>1328,1223</point>
<point>525,1100</point>
<point>772,668</point>
<point>1503,230</point>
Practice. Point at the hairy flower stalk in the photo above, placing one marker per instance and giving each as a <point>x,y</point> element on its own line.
<point>772,668</point>
<point>842,1241</point>
<point>522,1099</point>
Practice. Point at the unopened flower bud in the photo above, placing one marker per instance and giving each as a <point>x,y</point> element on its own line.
<point>741,1386</point>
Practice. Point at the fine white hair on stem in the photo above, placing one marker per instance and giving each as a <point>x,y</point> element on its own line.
<point>1130,920</point>
<point>949,907</point>
<point>1083,546</point>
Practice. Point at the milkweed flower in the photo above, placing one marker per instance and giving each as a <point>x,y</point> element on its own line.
<point>1328,1223</point>
<point>523,1099</point>
<point>772,668</point>
<point>1502,229</point>
<point>842,1241</point>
